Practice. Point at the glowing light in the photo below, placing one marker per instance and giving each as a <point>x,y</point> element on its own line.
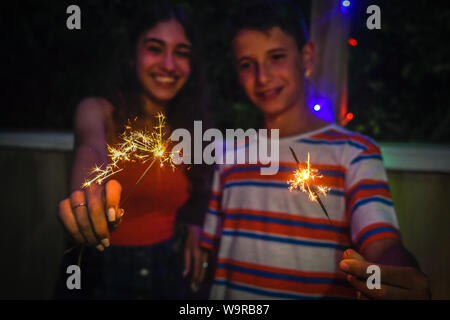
<point>349,116</point>
<point>352,42</point>
<point>346,3</point>
<point>317,107</point>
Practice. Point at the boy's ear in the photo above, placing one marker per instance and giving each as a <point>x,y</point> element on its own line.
<point>308,56</point>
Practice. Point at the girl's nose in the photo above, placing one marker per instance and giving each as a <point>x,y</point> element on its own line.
<point>168,62</point>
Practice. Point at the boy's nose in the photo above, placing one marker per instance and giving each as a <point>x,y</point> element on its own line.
<point>262,75</point>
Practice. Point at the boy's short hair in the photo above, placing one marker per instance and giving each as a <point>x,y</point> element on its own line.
<point>263,15</point>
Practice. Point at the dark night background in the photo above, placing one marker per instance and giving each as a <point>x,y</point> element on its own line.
<point>397,90</point>
<point>398,76</point>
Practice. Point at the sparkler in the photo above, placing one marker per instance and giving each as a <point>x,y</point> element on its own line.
<point>304,180</point>
<point>136,146</point>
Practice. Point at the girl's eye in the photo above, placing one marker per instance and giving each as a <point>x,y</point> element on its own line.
<point>154,49</point>
<point>244,66</point>
<point>184,54</point>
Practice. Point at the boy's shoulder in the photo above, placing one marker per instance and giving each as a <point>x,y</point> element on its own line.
<point>337,135</point>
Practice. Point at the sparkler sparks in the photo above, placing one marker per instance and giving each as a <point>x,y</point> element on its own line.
<point>304,179</point>
<point>136,146</point>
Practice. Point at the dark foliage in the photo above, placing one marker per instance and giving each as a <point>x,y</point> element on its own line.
<point>397,81</point>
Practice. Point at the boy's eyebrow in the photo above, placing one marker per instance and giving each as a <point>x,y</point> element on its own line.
<point>269,52</point>
<point>276,49</point>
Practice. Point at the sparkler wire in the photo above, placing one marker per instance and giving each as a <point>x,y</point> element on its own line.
<point>316,195</point>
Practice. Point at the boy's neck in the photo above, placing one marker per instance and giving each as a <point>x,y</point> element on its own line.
<point>294,121</point>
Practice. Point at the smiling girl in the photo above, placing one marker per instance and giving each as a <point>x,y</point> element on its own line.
<point>161,74</point>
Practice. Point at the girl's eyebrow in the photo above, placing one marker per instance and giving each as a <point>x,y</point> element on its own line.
<point>184,46</point>
<point>153,40</point>
<point>162,43</point>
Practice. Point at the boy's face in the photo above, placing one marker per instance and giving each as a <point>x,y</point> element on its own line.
<point>270,69</point>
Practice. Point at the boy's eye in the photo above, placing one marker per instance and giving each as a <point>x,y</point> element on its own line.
<point>278,56</point>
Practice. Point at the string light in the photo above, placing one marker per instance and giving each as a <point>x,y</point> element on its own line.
<point>349,116</point>
<point>352,42</point>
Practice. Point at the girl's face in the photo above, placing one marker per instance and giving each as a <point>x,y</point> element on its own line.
<point>163,60</point>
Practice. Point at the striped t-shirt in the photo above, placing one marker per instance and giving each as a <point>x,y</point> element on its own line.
<point>276,244</point>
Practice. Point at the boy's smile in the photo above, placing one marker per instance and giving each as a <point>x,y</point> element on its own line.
<point>270,69</point>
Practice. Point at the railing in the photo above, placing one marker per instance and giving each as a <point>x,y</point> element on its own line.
<point>396,156</point>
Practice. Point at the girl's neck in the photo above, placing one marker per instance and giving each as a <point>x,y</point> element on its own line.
<point>151,107</point>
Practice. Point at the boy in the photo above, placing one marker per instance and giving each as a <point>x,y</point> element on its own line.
<point>275,244</point>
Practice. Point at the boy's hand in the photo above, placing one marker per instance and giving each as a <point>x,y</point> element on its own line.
<point>396,282</point>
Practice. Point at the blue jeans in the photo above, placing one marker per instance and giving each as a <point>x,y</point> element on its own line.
<point>127,272</point>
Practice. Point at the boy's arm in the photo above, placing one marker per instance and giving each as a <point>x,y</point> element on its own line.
<point>400,277</point>
<point>374,231</point>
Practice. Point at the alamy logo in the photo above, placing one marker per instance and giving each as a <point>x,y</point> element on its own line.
<point>374,281</point>
<point>74,280</point>
<point>374,20</point>
<point>240,147</point>
<point>74,20</point>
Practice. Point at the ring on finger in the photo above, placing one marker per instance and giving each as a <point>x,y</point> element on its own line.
<point>81,204</point>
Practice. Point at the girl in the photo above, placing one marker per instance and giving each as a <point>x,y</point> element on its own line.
<point>161,74</point>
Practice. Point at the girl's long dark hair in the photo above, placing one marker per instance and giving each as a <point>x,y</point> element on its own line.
<point>188,105</point>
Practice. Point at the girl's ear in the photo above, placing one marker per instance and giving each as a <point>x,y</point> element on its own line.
<point>308,56</point>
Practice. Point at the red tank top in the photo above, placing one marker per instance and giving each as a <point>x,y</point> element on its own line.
<point>151,207</point>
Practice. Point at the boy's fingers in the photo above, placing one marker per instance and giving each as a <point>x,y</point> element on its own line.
<point>355,267</point>
<point>352,254</point>
<point>399,276</point>
<point>385,292</point>
<point>404,277</point>
<point>113,190</point>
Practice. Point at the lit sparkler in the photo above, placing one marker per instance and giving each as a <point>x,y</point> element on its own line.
<point>304,179</point>
<point>136,146</point>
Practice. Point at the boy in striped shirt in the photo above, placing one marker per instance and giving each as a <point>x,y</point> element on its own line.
<point>275,244</point>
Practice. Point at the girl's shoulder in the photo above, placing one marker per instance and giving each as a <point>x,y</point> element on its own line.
<point>94,117</point>
<point>95,106</point>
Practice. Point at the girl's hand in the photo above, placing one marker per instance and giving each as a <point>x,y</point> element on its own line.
<point>86,213</point>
